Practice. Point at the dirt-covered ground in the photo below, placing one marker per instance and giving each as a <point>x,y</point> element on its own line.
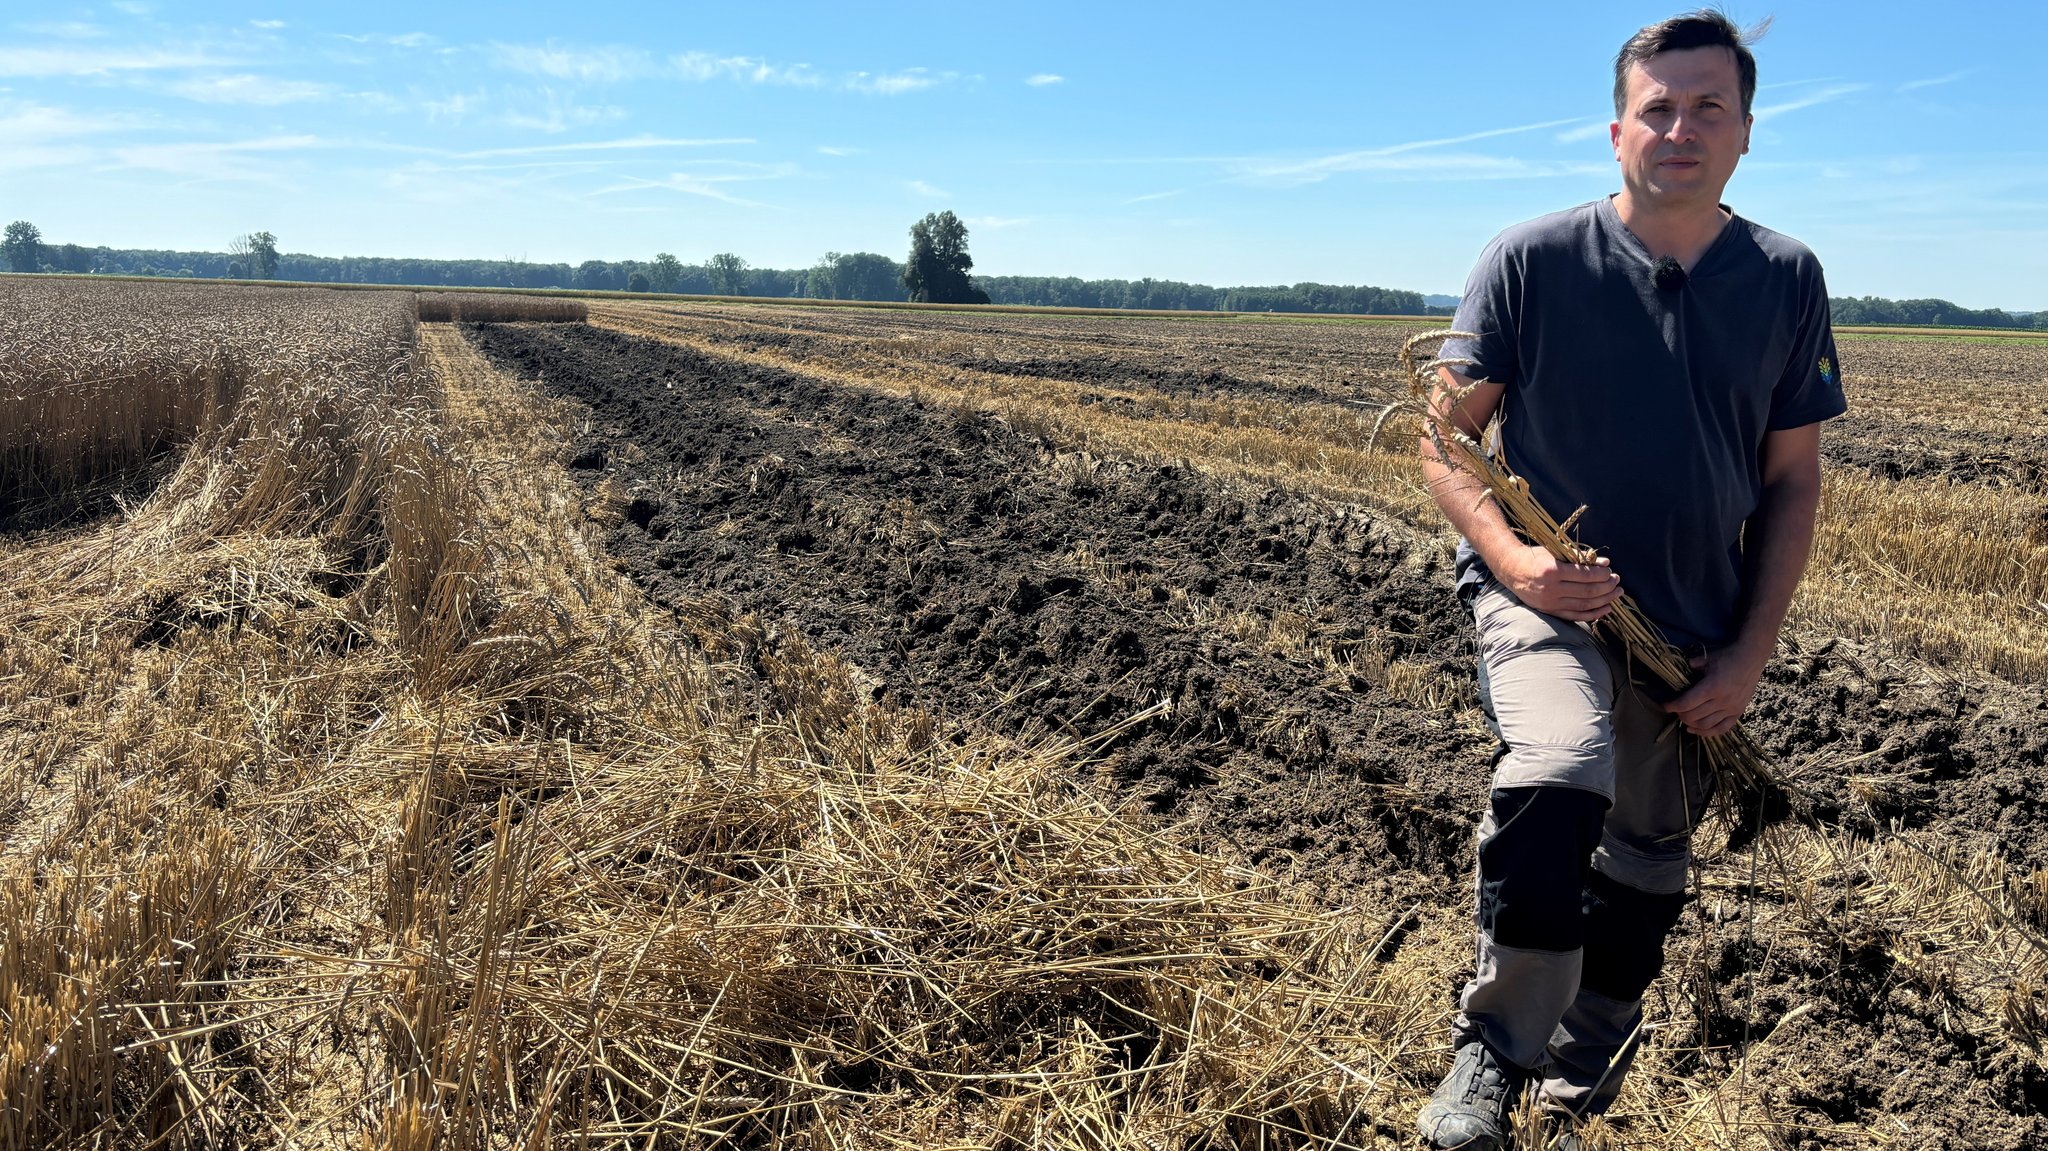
<point>1303,672</point>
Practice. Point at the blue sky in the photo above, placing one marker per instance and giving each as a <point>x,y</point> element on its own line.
<point>1350,143</point>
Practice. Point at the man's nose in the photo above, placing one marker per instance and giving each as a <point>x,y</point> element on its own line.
<point>1682,128</point>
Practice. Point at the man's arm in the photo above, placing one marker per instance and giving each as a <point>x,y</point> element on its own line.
<point>1577,592</point>
<point>1777,539</point>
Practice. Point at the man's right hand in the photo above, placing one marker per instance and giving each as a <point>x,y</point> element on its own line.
<point>1580,593</point>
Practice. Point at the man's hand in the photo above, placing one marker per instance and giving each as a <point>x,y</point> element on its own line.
<point>1714,704</point>
<point>1580,593</point>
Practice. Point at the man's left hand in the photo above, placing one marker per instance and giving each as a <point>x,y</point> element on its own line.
<point>1714,704</point>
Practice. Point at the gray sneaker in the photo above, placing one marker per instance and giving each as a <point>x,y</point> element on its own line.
<point>1472,1107</point>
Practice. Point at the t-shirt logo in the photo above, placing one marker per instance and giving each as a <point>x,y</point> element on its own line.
<point>1827,371</point>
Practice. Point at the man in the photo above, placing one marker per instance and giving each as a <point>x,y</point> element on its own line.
<point>1666,364</point>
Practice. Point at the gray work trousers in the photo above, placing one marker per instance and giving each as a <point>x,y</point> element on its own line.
<point>1569,717</point>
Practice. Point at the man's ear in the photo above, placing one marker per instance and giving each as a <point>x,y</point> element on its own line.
<point>1614,139</point>
<point>1748,122</point>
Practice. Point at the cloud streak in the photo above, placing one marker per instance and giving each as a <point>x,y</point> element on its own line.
<point>53,62</point>
<point>1590,130</point>
<point>223,160</point>
<point>897,83</point>
<point>247,88</point>
<point>710,185</point>
<point>1823,96</point>
<point>633,143</point>
<point>1390,158</point>
<point>1935,81</point>
<point>703,67</point>
<point>603,65</point>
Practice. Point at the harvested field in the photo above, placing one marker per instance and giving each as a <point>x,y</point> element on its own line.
<point>842,728</point>
<point>920,537</point>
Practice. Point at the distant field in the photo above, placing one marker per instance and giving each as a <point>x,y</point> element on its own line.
<point>746,724</point>
<point>1925,333</point>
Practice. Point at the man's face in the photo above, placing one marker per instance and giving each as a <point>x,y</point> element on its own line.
<point>1682,129</point>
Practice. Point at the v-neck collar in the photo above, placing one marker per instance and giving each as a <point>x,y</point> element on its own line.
<point>1612,216</point>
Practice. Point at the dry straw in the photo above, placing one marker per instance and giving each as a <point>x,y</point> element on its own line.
<point>355,801</point>
<point>497,307</point>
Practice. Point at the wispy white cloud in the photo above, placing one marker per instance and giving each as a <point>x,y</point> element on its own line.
<point>614,63</point>
<point>1041,79</point>
<point>246,88</point>
<point>705,66</point>
<point>134,7</point>
<point>897,83</point>
<point>710,180</point>
<point>1776,84</point>
<point>633,143</point>
<point>25,121</point>
<point>1389,158</point>
<point>601,65</point>
<point>1150,196</point>
<point>1823,96</point>
<point>455,107</point>
<point>387,39</point>
<point>223,160</point>
<point>830,150</point>
<point>1591,129</point>
<point>551,111</point>
<point>66,29</point>
<point>267,25</point>
<point>998,221</point>
<point>47,61</point>
<point>1916,85</point>
<point>925,190</point>
<point>1455,166</point>
<point>40,136</point>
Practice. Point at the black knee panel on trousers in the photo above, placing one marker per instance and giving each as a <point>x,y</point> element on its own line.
<point>1534,867</point>
<point>1625,932</point>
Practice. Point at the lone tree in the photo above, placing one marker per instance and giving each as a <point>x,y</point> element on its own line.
<point>665,273</point>
<point>936,272</point>
<point>729,272</point>
<point>637,282</point>
<point>24,247</point>
<point>257,253</point>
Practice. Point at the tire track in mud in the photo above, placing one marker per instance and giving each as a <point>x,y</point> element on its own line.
<point>971,572</point>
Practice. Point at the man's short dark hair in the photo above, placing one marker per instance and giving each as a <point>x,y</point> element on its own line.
<point>1706,28</point>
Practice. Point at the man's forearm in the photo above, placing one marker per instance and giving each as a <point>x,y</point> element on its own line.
<point>1463,499</point>
<point>1783,533</point>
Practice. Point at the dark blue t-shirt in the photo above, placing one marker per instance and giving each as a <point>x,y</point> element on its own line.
<point>1649,405</point>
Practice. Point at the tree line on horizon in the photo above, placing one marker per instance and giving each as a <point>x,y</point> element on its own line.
<point>938,256</point>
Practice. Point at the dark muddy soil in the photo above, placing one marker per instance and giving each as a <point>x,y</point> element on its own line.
<point>972,571</point>
<point>1173,381</point>
<point>1892,451</point>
